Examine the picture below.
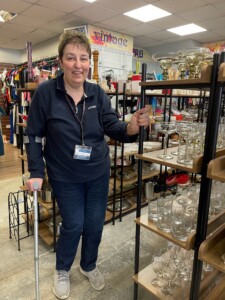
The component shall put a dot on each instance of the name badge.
(82, 152)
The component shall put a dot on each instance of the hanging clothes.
(2, 113)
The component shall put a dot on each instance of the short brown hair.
(75, 38)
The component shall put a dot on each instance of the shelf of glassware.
(188, 244)
(145, 277)
(195, 167)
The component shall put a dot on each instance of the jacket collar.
(88, 87)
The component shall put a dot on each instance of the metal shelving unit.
(209, 81)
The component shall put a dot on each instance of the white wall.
(43, 50)
(10, 56)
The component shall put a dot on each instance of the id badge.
(82, 152)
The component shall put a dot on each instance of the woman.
(73, 116)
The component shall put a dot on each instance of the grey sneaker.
(96, 279)
(61, 287)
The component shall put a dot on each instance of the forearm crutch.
(36, 254)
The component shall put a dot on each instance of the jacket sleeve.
(113, 127)
(35, 132)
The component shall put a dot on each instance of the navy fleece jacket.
(52, 117)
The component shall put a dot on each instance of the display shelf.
(134, 179)
(216, 293)
(203, 81)
(47, 205)
(21, 124)
(216, 169)
(189, 243)
(23, 157)
(194, 168)
(32, 89)
(45, 234)
(213, 248)
(144, 279)
(221, 74)
(150, 225)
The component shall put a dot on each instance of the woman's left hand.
(139, 118)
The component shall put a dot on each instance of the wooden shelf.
(26, 89)
(145, 277)
(194, 168)
(150, 225)
(45, 234)
(21, 124)
(216, 293)
(213, 248)
(189, 243)
(221, 75)
(216, 169)
(47, 205)
(203, 81)
(23, 157)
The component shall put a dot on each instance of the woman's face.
(75, 64)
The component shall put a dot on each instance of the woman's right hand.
(30, 184)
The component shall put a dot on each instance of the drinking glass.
(181, 130)
(186, 159)
(169, 274)
(165, 128)
(164, 212)
(178, 224)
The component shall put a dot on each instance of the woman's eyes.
(82, 59)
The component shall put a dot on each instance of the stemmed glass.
(193, 58)
(157, 266)
(169, 273)
(165, 128)
(166, 60)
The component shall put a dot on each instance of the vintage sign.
(110, 39)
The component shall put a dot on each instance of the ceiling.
(41, 20)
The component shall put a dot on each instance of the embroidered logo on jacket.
(91, 107)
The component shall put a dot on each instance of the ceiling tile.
(121, 22)
(69, 7)
(202, 13)
(97, 14)
(179, 5)
(121, 6)
(44, 13)
(15, 6)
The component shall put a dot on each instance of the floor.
(116, 258)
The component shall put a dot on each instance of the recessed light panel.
(90, 1)
(147, 13)
(186, 29)
(6, 16)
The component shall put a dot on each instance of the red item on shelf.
(179, 117)
(136, 77)
(182, 178)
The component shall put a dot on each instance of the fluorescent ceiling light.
(186, 29)
(90, 1)
(147, 13)
(6, 16)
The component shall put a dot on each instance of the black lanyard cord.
(74, 110)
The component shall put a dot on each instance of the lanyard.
(74, 110)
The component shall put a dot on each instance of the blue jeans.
(82, 207)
